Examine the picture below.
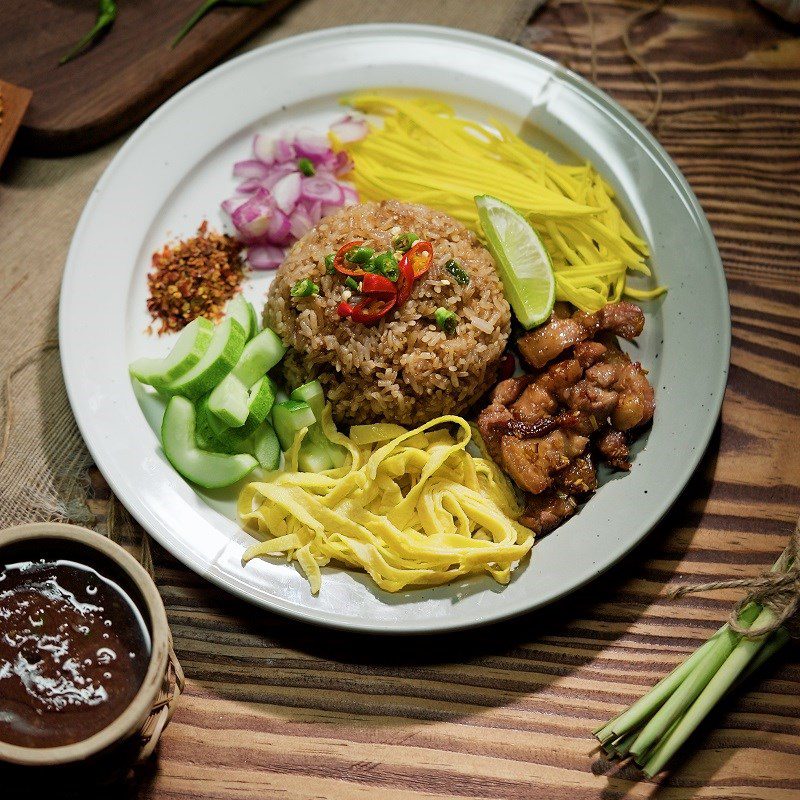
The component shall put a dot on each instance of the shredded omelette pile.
(409, 507)
(424, 153)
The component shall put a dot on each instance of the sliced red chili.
(378, 285)
(344, 267)
(420, 257)
(405, 282)
(344, 309)
(371, 309)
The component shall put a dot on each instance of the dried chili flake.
(194, 278)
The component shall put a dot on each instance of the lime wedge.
(522, 261)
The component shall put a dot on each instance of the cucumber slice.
(254, 326)
(312, 394)
(229, 401)
(219, 359)
(239, 309)
(288, 418)
(260, 355)
(266, 447)
(262, 398)
(223, 438)
(313, 456)
(209, 470)
(188, 350)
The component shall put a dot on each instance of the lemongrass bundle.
(423, 153)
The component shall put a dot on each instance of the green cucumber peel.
(218, 360)
(206, 469)
(267, 447)
(288, 418)
(261, 398)
(260, 355)
(190, 347)
(241, 311)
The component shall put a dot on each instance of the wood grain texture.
(275, 709)
(14, 102)
(129, 72)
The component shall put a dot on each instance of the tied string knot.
(778, 590)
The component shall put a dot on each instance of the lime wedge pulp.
(522, 261)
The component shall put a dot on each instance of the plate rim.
(632, 126)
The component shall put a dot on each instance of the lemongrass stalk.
(774, 643)
(638, 714)
(725, 676)
(692, 685)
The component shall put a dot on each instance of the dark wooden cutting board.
(127, 74)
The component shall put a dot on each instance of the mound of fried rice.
(403, 369)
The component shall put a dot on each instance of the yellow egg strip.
(410, 508)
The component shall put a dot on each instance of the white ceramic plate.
(175, 170)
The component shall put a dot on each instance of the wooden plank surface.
(129, 72)
(275, 709)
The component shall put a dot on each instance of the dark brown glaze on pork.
(582, 395)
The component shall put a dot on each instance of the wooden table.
(275, 709)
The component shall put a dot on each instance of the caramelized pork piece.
(613, 448)
(532, 462)
(636, 402)
(579, 477)
(493, 426)
(580, 389)
(547, 511)
(549, 341)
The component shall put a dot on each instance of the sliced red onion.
(253, 218)
(250, 169)
(286, 192)
(350, 128)
(350, 195)
(264, 256)
(279, 229)
(300, 222)
(311, 144)
(262, 148)
(249, 186)
(314, 211)
(283, 151)
(326, 190)
(230, 205)
(278, 171)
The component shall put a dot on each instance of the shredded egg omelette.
(409, 507)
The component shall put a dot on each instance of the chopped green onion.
(359, 255)
(306, 166)
(304, 288)
(446, 320)
(454, 268)
(404, 241)
(329, 268)
(351, 283)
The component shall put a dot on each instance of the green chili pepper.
(106, 14)
(351, 283)
(386, 264)
(205, 7)
(359, 255)
(454, 268)
(404, 242)
(329, 268)
(306, 166)
(446, 320)
(304, 288)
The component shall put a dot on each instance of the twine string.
(777, 590)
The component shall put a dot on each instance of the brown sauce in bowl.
(74, 651)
